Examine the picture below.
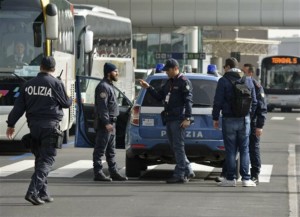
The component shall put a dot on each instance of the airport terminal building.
(200, 32)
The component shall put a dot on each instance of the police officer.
(42, 98)
(257, 123)
(106, 113)
(177, 96)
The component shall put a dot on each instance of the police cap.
(170, 63)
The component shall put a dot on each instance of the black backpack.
(241, 101)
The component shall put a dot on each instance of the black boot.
(34, 199)
(116, 176)
(174, 180)
(101, 177)
(46, 198)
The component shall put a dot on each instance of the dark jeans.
(105, 145)
(236, 138)
(44, 156)
(176, 135)
(254, 151)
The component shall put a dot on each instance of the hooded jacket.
(224, 93)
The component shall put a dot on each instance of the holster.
(54, 139)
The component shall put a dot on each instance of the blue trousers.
(236, 138)
(44, 156)
(176, 135)
(105, 145)
(254, 150)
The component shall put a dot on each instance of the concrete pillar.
(193, 46)
(218, 61)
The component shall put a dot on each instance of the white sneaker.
(248, 183)
(227, 183)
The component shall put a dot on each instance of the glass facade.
(148, 44)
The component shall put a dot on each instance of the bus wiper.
(23, 79)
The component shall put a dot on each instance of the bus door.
(85, 93)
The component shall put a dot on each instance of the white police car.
(147, 143)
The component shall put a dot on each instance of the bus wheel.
(133, 168)
(270, 109)
(286, 109)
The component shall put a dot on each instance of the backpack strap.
(243, 79)
(231, 81)
(256, 84)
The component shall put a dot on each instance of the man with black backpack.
(235, 97)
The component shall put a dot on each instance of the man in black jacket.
(42, 98)
(257, 123)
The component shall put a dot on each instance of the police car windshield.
(203, 93)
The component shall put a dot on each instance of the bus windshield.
(18, 53)
(281, 76)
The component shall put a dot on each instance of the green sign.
(180, 56)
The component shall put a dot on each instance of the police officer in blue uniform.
(257, 123)
(42, 98)
(177, 96)
(106, 113)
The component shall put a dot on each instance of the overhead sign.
(284, 60)
(180, 56)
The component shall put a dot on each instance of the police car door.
(85, 94)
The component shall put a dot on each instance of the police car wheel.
(133, 168)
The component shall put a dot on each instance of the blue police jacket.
(43, 98)
(106, 104)
(224, 93)
(180, 102)
(259, 116)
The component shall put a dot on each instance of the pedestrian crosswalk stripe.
(265, 172)
(205, 170)
(72, 169)
(298, 119)
(277, 118)
(16, 167)
(195, 167)
(200, 167)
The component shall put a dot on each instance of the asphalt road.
(76, 194)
